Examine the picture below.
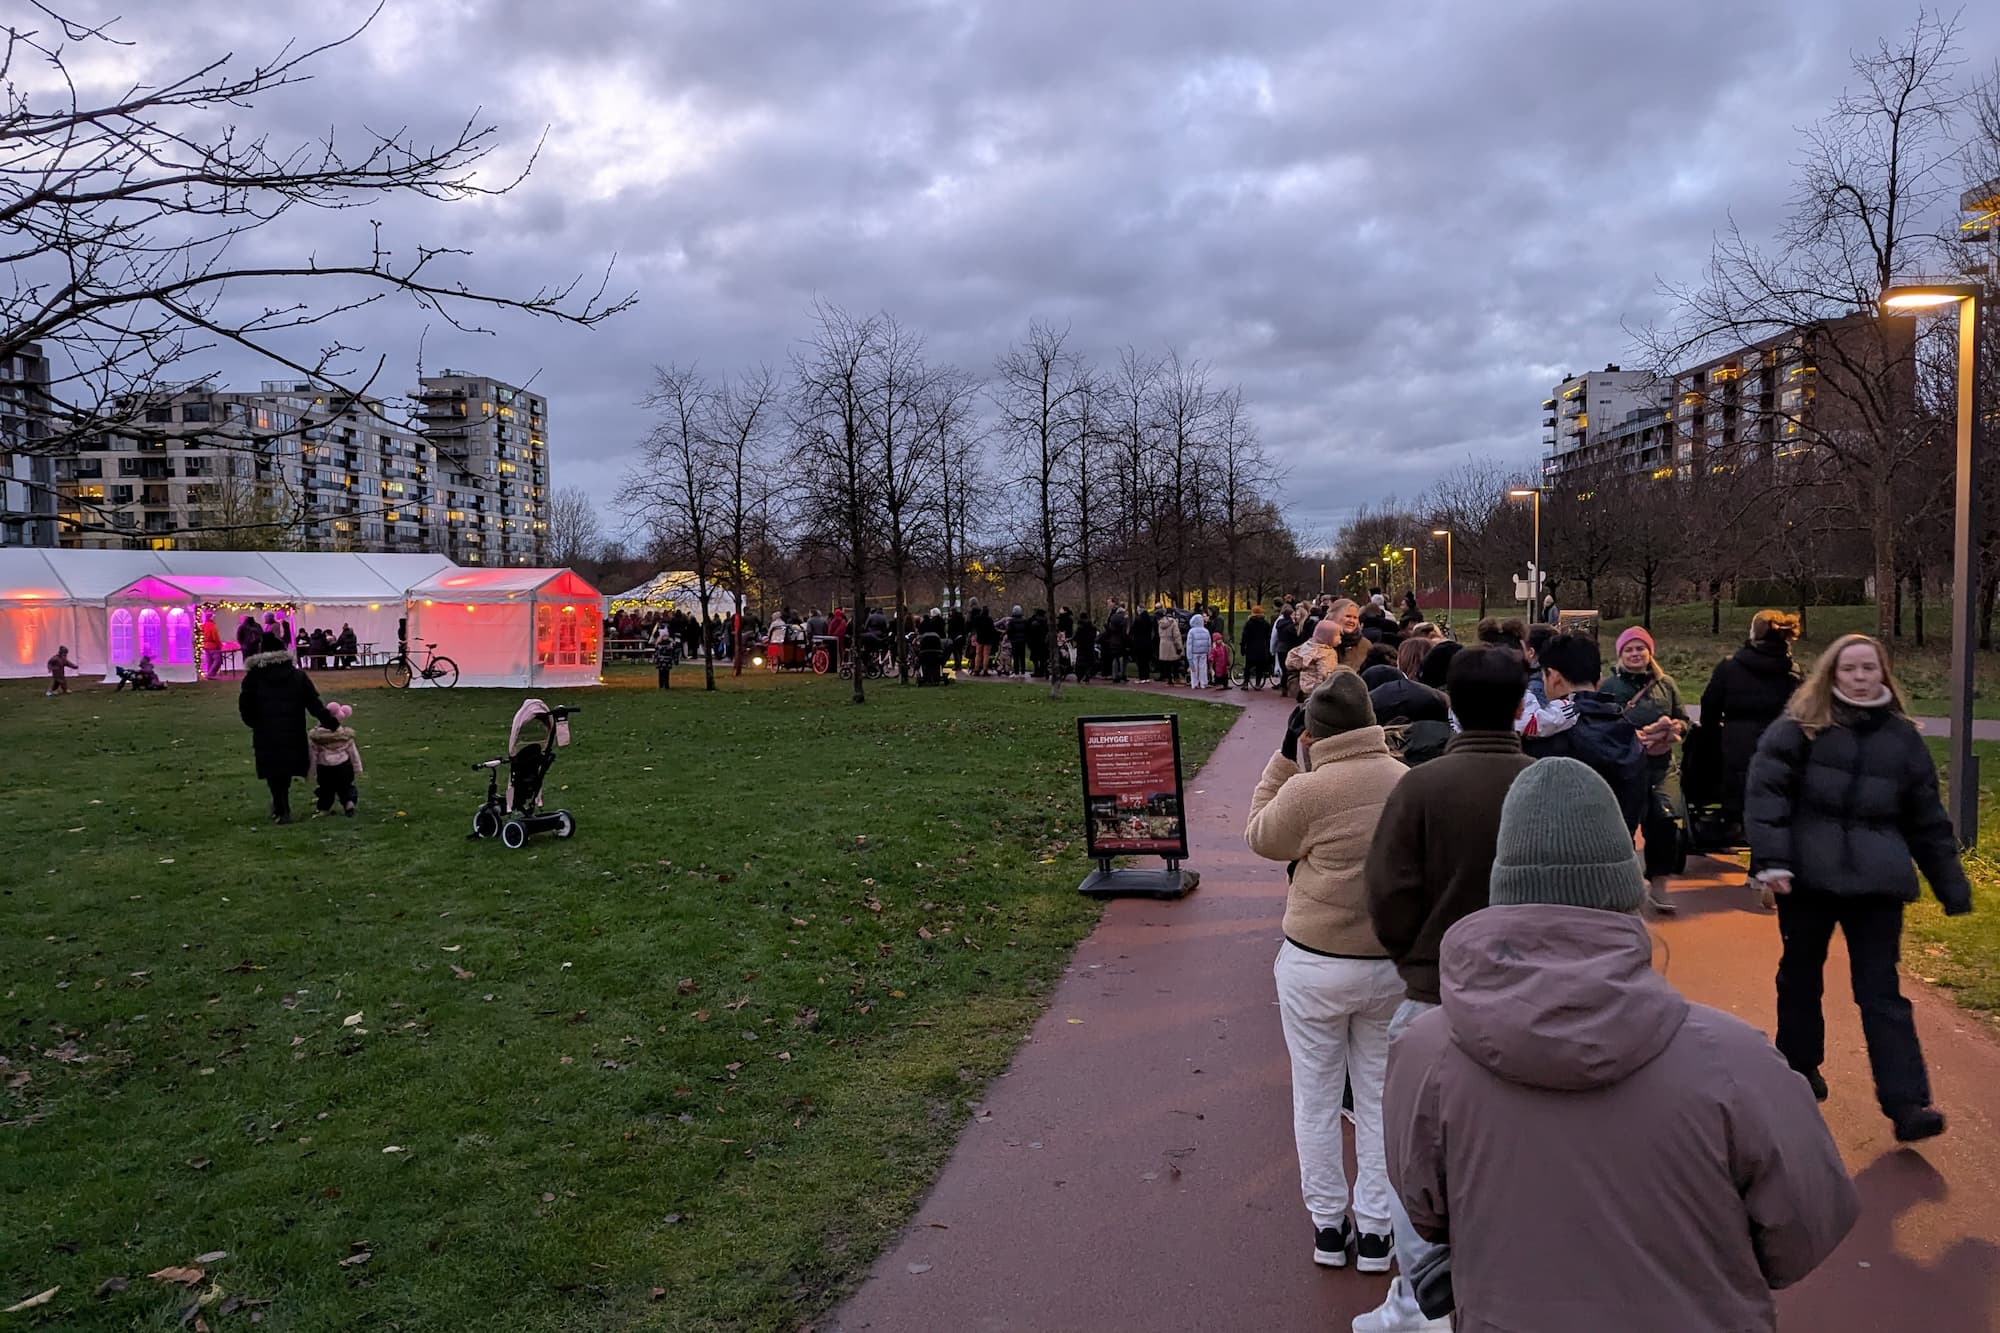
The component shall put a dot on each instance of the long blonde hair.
(1812, 704)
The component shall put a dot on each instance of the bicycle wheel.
(822, 662)
(442, 672)
(396, 672)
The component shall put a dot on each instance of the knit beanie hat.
(1563, 840)
(1326, 634)
(1437, 663)
(1635, 634)
(1340, 704)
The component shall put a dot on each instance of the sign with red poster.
(1132, 797)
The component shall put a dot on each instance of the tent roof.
(198, 588)
(53, 576)
(661, 587)
(500, 584)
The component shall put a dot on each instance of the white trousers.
(1198, 672)
(1336, 1013)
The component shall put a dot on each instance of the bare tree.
(949, 427)
(573, 529)
(837, 487)
(906, 467)
(678, 484)
(1035, 392)
(1183, 407)
(125, 223)
(1243, 474)
(1136, 438)
(1871, 180)
(742, 413)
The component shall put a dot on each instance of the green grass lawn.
(687, 1071)
(1689, 652)
(1962, 954)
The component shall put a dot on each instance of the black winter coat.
(1848, 811)
(1257, 642)
(1747, 693)
(1605, 740)
(1406, 700)
(274, 703)
(1113, 642)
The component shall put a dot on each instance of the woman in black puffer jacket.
(1842, 797)
(275, 702)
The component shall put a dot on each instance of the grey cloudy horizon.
(1394, 227)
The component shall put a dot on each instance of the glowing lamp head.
(1440, 532)
(1927, 295)
(1520, 493)
(1918, 300)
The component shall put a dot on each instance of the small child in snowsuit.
(59, 668)
(336, 762)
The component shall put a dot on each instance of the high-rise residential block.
(492, 468)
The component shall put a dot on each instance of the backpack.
(1417, 742)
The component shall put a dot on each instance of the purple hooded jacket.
(1600, 1152)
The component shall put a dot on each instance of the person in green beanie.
(1316, 808)
(1566, 1109)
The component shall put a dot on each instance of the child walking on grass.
(336, 762)
(59, 668)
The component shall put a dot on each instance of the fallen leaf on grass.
(686, 986)
(198, 1163)
(734, 1005)
(451, 948)
(548, 1198)
(395, 1147)
(923, 932)
(351, 1260)
(42, 1299)
(212, 1257)
(659, 1293)
(20, 1080)
(111, 1286)
(351, 1020)
(187, 1277)
(1076, 1021)
(461, 973)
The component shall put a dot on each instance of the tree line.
(869, 474)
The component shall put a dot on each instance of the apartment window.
(194, 412)
(121, 495)
(128, 467)
(159, 414)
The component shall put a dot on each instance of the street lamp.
(1964, 765)
(1322, 578)
(1413, 571)
(1446, 534)
(1535, 573)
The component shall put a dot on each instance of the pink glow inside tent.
(511, 626)
(159, 616)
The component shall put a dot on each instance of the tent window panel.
(545, 635)
(180, 635)
(121, 637)
(149, 633)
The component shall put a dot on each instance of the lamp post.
(1413, 571)
(1964, 764)
(1322, 578)
(1535, 570)
(1446, 534)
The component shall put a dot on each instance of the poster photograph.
(1132, 786)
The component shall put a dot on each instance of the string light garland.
(208, 609)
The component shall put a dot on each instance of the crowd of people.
(1533, 1105)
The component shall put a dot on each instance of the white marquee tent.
(512, 626)
(673, 590)
(159, 616)
(59, 597)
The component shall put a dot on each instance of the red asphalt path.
(1134, 1169)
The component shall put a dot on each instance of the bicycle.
(1249, 677)
(441, 671)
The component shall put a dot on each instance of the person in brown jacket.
(1599, 1152)
(1317, 808)
(1428, 868)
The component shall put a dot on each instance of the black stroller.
(1709, 827)
(538, 732)
(930, 660)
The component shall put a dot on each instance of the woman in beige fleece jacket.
(1316, 808)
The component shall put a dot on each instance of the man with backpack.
(1428, 868)
(1583, 723)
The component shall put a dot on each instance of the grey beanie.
(1563, 840)
(1340, 704)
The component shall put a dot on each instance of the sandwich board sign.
(1134, 804)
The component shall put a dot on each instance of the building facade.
(290, 466)
(1602, 419)
(27, 473)
(490, 442)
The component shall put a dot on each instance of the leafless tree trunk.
(1035, 392)
(742, 414)
(679, 482)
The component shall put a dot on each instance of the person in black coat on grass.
(1747, 693)
(1256, 646)
(1114, 643)
(1842, 798)
(1085, 644)
(1145, 644)
(275, 701)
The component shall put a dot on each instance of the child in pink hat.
(336, 762)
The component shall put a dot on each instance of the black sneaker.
(1330, 1245)
(1916, 1123)
(1373, 1253)
(1815, 1082)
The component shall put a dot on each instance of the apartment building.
(1603, 418)
(27, 473)
(490, 441)
(320, 473)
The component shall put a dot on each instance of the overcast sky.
(1394, 225)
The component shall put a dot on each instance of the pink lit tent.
(511, 626)
(159, 616)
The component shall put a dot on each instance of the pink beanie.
(340, 711)
(1636, 634)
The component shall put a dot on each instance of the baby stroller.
(538, 732)
(1709, 827)
(930, 660)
